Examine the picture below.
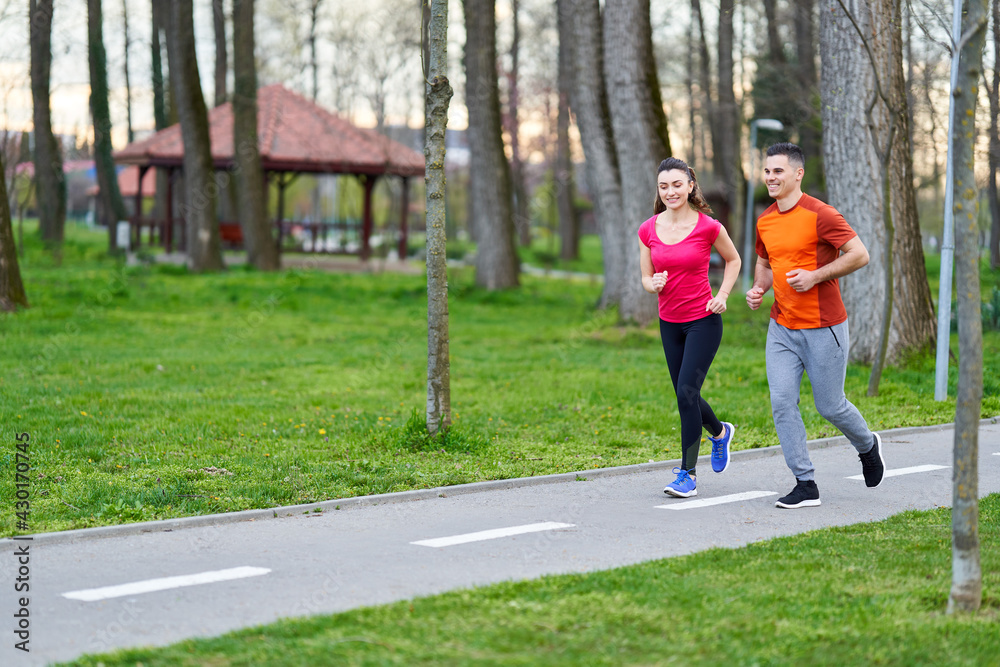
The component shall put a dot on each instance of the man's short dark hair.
(794, 154)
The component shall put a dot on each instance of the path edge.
(180, 523)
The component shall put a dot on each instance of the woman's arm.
(651, 282)
(724, 246)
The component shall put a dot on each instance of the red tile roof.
(294, 134)
(128, 183)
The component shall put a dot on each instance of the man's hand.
(801, 280)
(755, 295)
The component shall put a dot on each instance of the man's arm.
(763, 279)
(853, 255)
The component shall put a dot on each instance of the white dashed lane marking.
(721, 500)
(165, 583)
(492, 534)
(905, 471)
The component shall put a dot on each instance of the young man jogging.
(803, 247)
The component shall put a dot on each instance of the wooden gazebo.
(295, 136)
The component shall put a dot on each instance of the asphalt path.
(100, 589)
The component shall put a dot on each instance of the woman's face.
(674, 187)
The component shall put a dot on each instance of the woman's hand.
(659, 281)
(717, 304)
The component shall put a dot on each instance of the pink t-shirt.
(687, 292)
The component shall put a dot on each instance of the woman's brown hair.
(696, 199)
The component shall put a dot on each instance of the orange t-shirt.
(807, 236)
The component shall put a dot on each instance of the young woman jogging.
(675, 247)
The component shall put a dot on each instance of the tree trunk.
(775, 50)
(438, 94)
(805, 50)
(159, 103)
(994, 154)
(569, 223)
(128, 85)
(705, 75)
(111, 207)
(522, 217)
(966, 575)
(853, 175)
(589, 101)
(262, 250)
(489, 172)
(48, 156)
(11, 288)
(221, 66)
(640, 148)
(200, 189)
(729, 125)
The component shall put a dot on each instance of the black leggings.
(690, 348)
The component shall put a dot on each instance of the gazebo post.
(403, 214)
(366, 217)
(281, 207)
(138, 201)
(169, 211)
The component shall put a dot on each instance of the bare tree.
(221, 58)
(200, 190)
(51, 181)
(630, 78)
(262, 251)
(862, 86)
(111, 207)
(966, 573)
(569, 224)
(313, 59)
(160, 113)
(589, 100)
(489, 177)
(12, 293)
(438, 94)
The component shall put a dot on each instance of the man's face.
(781, 178)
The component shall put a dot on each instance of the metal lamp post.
(767, 124)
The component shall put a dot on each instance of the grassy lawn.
(868, 594)
(150, 393)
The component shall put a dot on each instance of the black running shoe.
(872, 464)
(805, 494)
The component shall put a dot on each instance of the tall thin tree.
(204, 247)
(522, 218)
(112, 206)
(630, 77)
(262, 251)
(994, 154)
(313, 38)
(569, 224)
(437, 93)
(966, 572)
(160, 116)
(12, 293)
(489, 172)
(589, 100)
(221, 56)
(128, 81)
(51, 182)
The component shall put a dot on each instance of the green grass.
(150, 393)
(868, 594)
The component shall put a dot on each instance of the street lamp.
(767, 124)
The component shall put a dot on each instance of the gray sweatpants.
(822, 353)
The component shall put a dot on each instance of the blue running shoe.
(720, 447)
(684, 486)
